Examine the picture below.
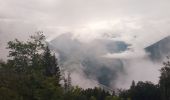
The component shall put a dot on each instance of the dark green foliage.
(77, 93)
(145, 91)
(22, 76)
(25, 56)
(50, 65)
(141, 91)
(165, 81)
(98, 93)
(124, 94)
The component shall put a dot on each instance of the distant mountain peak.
(160, 49)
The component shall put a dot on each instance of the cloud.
(139, 70)
(129, 18)
(79, 79)
(129, 54)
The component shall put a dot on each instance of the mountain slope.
(160, 49)
(75, 55)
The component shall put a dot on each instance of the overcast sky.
(127, 17)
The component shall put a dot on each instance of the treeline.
(32, 73)
(148, 90)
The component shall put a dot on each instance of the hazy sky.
(126, 17)
(137, 22)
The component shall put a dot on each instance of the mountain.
(160, 49)
(83, 57)
(75, 55)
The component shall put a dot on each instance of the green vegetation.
(32, 73)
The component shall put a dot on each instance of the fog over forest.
(110, 42)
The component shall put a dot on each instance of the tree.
(133, 85)
(144, 91)
(112, 98)
(125, 94)
(50, 65)
(92, 98)
(164, 81)
(98, 93)
(25, 55)
(132, 90)
(22, 76)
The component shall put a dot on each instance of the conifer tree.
(165, 80)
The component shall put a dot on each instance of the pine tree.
(55, 69)
(69, 81)
(47, 62)
(165, 80)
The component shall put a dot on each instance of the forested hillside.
(32, 72)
